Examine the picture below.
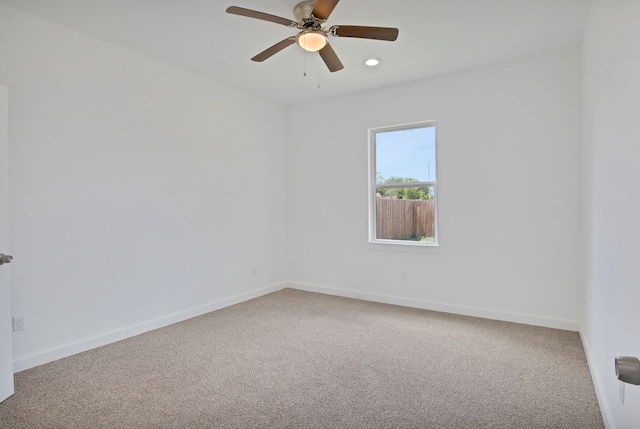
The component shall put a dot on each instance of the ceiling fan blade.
(323, 8)
(377, 33)
(274, 49)
(330, 58)
(235, 10)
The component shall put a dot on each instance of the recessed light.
(372, 62)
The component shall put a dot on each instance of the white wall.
(138, 191)
(510, 213)
(612, 169)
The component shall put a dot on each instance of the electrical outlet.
(18, 324)
(403, 277)
(254, 272)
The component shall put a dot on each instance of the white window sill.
(402, 246)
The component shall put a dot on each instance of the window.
(402, 184)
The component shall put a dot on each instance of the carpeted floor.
(296, 359)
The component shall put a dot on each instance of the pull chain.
(304, 56)
(304, 69)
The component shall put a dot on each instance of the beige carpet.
(295, 359)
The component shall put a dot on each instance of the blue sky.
(407, 153)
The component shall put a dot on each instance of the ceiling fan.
(311, 18)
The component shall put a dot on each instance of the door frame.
(6, 347)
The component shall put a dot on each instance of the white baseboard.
(41, 358)
(324, 290)
(567, 325)
(597, 384)
(51, 355)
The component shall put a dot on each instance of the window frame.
(373, 186)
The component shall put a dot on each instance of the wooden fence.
(404, 219)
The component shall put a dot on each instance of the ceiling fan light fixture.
(311, 40)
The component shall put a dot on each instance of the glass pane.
(406, 214)
(405, 156)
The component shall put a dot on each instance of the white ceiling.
(436, 37)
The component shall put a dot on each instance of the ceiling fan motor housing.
(302, 12)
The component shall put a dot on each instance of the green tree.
(402, 193)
